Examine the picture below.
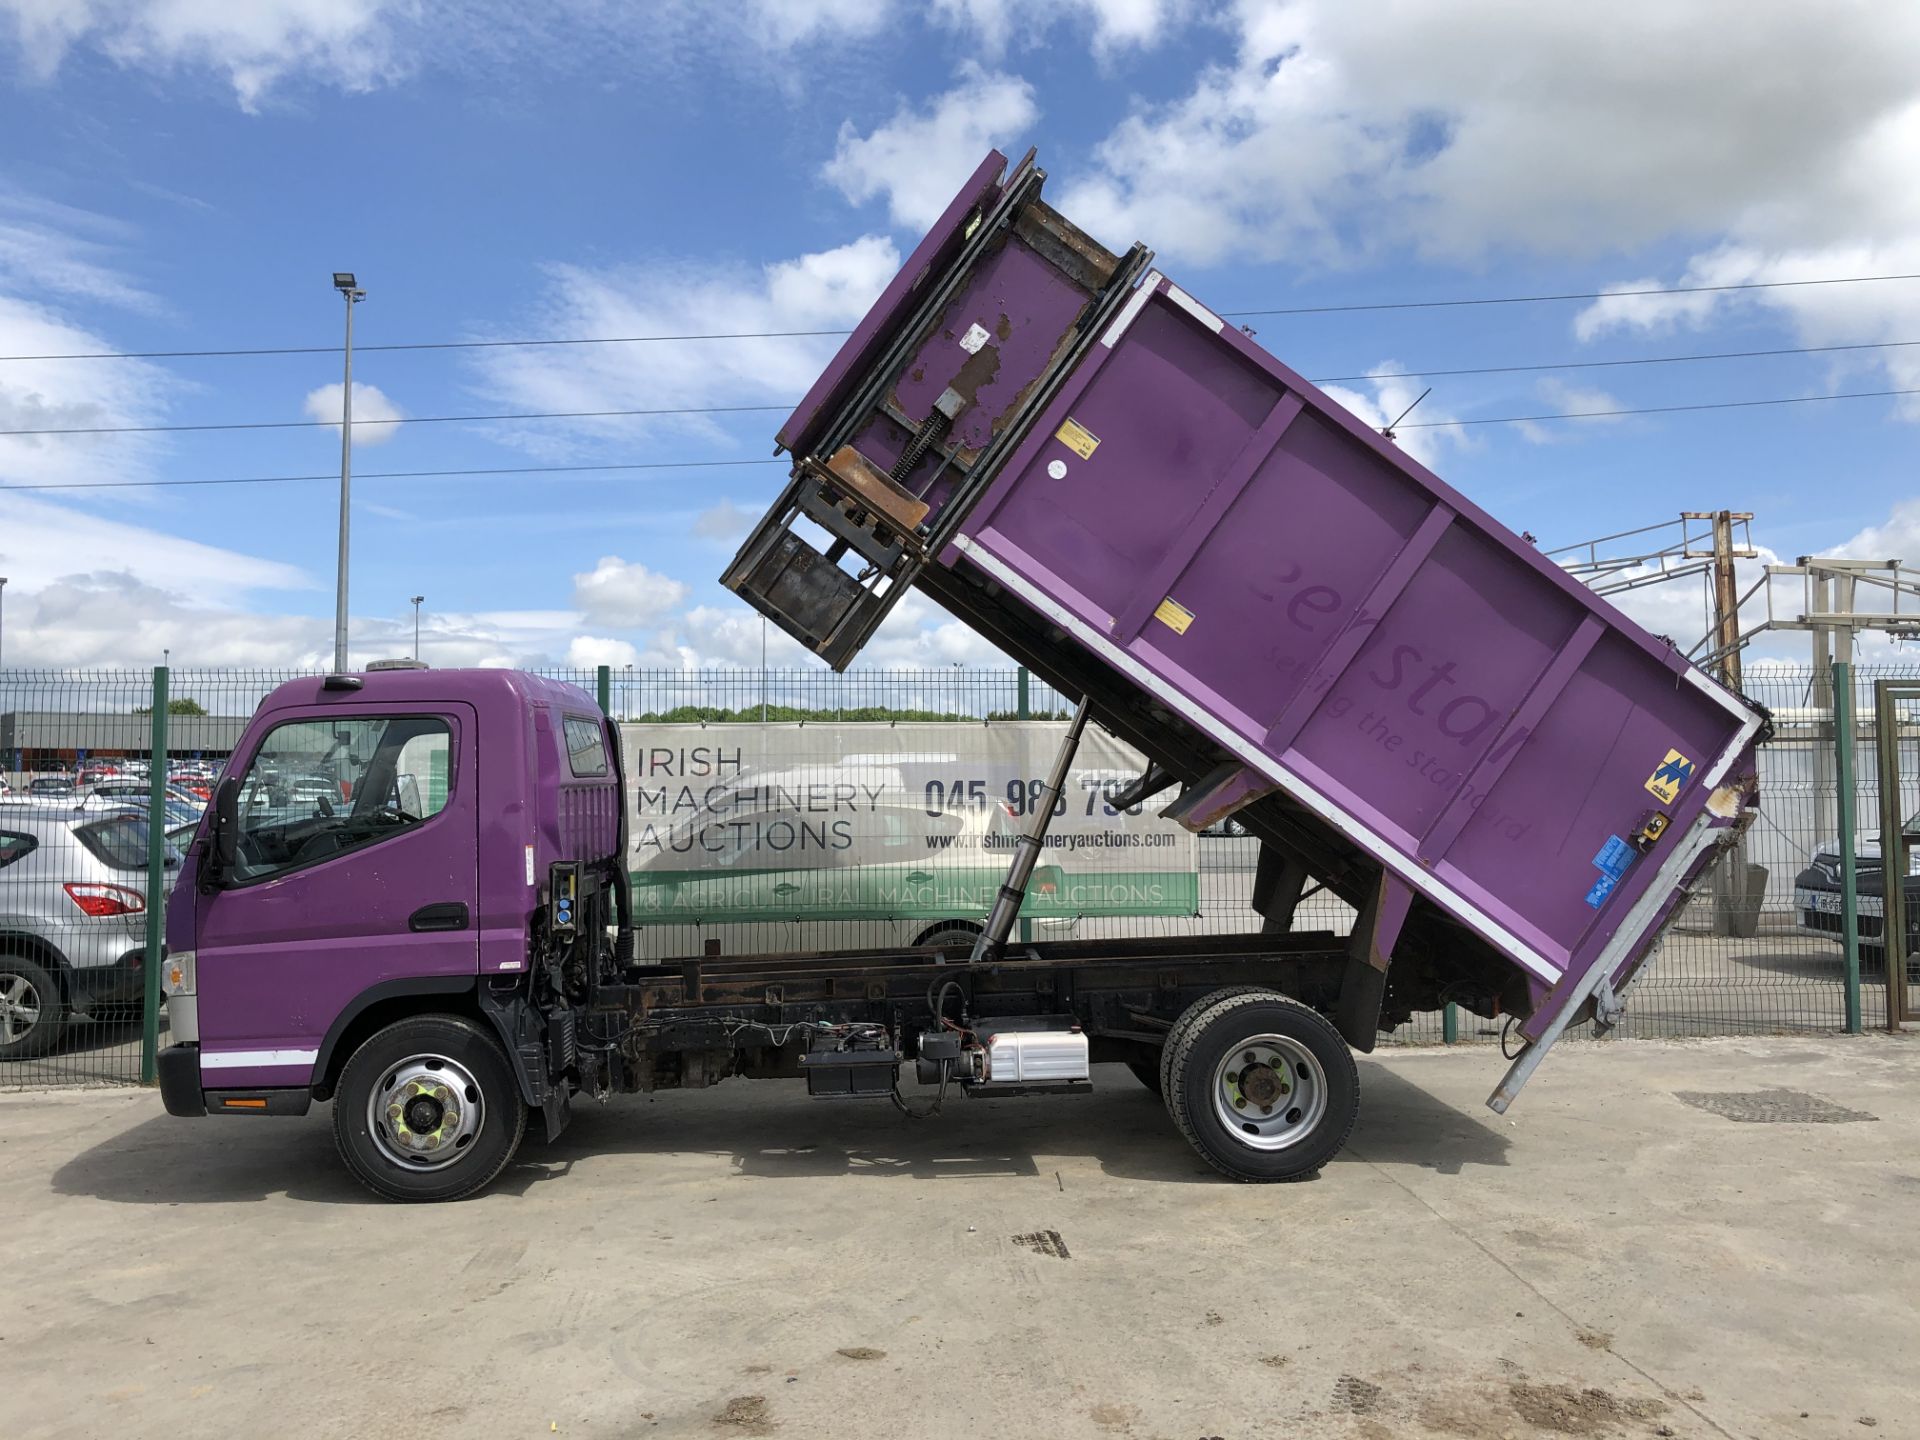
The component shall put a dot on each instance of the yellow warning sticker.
(1077, 438)
(1172, 614)
(1671, 778)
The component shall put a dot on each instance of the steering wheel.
(318, 846)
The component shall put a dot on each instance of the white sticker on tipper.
(1057, 469)
(529, 864)
(973, 339)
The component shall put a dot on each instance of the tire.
(1147, 1072)
(1296, 1104)
(458, 1076)
(1186, 1018)
(32, 1009)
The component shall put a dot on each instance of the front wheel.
(427, 1109)
(1264, 1088)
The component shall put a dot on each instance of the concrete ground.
(1613, 1259)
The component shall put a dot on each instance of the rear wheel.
(427, 1109)
(31, 1008)
(1179, 1026)
(1264, 1088)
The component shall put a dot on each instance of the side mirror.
(226, 826)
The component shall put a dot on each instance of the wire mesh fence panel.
(1755, 951)
(76, 760)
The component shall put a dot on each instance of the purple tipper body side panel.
(1359, 634)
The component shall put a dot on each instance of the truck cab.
(361, 865)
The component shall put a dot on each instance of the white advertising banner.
(868, 821)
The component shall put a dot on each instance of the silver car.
(72, 920)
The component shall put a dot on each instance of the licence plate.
(1826, 902)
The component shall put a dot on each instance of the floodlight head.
(343, 280)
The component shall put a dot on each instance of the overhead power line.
(815, 334)
(398, 420)
(385, 475)
(1569, 295)
(715, 464)
(779, 408)
(1655, 409)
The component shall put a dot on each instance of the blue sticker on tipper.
(1603, 887)
(1614, 857)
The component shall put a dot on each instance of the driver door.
(357, 865)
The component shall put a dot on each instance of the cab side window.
(586, 746)
(319, 788)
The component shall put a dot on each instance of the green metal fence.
(88, 756)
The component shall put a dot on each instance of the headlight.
(176, 973)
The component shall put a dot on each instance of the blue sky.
(187, 176)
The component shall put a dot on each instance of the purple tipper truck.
(1512, 784)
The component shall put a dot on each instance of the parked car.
(136, 792)
(72, 920)
(50, 785)
(1817, 892)
(92, 774)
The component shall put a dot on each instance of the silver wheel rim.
(426, 1112)
(19, 1008)
(1270, 1092)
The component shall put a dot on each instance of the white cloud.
(253, 44)
(1559, 397)
(920, 157)
(786, 24)
(725, 521)
(1116, 24)
(625, 595)
(1595, 129)
(53, 395)
(585, 652)
(826, 291)
(1896, 538)
(1393, 392)
(370, 407)
(1853, 314)
(48, 249)
(41, 541)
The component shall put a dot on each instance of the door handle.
(447, 915)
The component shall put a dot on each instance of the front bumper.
(179, 1067)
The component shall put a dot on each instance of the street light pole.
(416, 625)
(3, 617)
(344, 282)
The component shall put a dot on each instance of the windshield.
(316, 788)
